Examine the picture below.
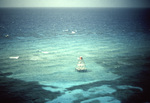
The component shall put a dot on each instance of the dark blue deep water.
(42, 45)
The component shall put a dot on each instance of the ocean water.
(43, 44)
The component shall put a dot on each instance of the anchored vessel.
(81, 65)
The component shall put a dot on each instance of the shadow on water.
(18, 91)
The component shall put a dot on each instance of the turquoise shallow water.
(115, 50)
(56, 58)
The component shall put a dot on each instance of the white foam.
(73, 32)
(16, 57)
(45, 52)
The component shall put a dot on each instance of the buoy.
(81, 65)
(81, 58)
